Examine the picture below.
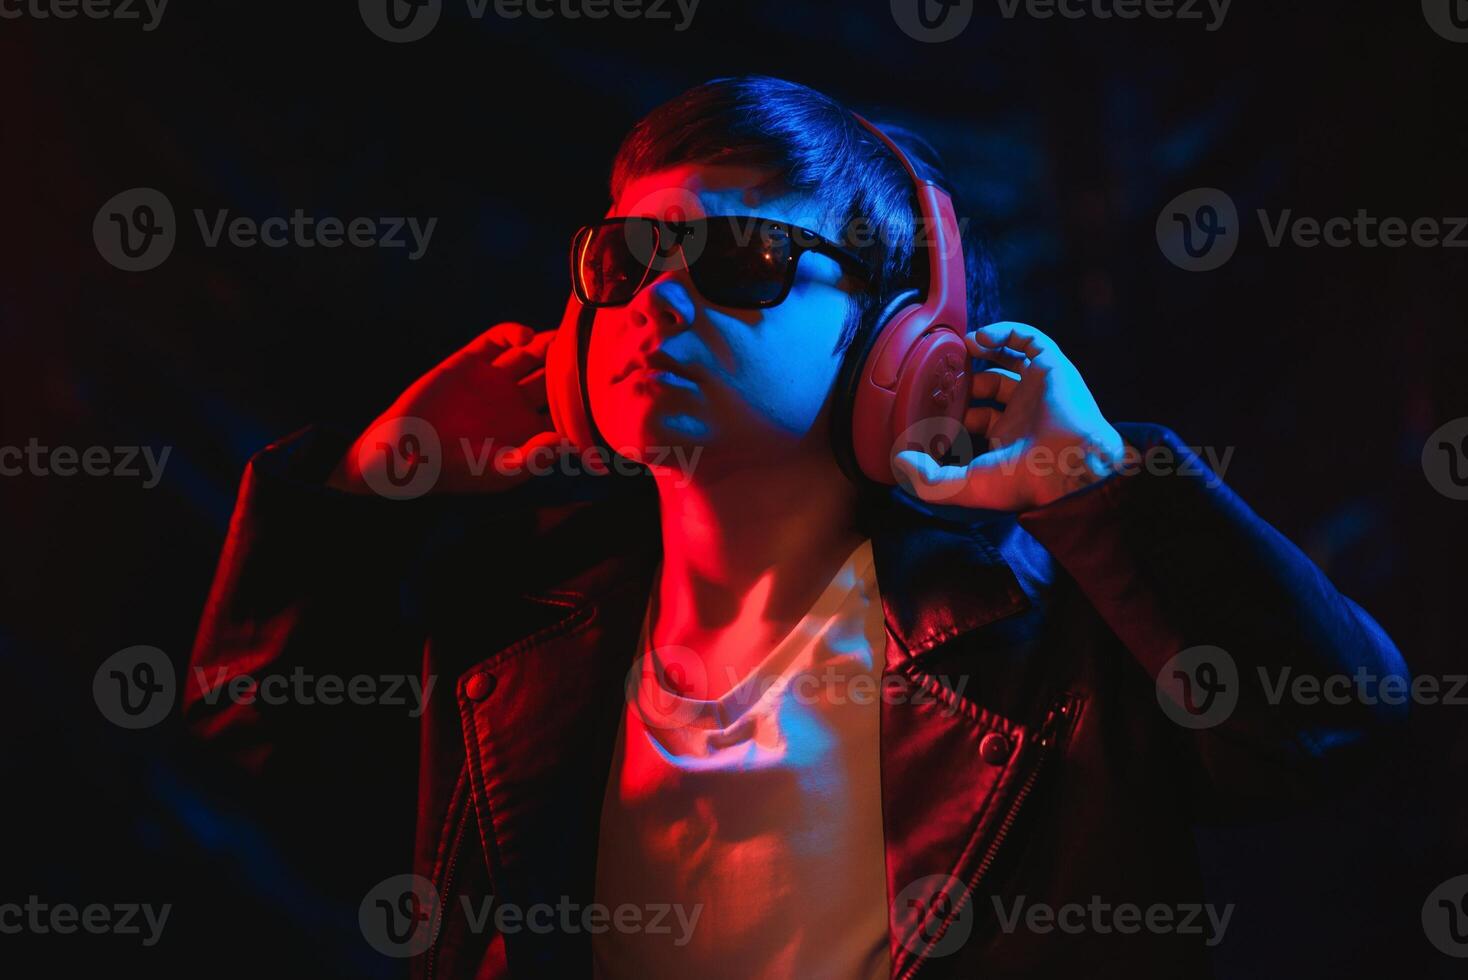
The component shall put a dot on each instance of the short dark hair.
(818, 148)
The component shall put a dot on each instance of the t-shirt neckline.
(742, 699)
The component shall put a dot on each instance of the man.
(752, 714)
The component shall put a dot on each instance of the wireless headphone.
(903, 383)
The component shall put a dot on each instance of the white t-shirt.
(747, 830)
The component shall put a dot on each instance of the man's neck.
(745, 555)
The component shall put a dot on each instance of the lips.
(655, 364)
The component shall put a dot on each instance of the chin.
(645, 432)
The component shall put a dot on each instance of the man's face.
(749, 386)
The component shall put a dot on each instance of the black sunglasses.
(737, 261)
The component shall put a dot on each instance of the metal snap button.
(479, 685)
(994, 749)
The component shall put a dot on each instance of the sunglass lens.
(742, 266)
(611, 260)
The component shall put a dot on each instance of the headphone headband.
(947, 274)
(907, 381)
(887, 140)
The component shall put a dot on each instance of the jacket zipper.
(448, 885)
(1061, 707)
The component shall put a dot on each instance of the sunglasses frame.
(802, 240)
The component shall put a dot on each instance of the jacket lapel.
(949, 766)
(938, 581)
(540, 719)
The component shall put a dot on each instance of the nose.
(664, 306)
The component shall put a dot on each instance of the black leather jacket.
(1028, 758)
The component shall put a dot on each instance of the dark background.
(1325, 369)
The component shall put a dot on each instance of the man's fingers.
(980, 484)
(515, 348)
(936, 484)
(928, 479)
(1005, 357)
(500, 337)
(519, 361)
(978, 420)
(532, 390)
(511, 333)
(994, 384)
(1019, 337)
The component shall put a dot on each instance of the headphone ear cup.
(564, 385)
(844, 438)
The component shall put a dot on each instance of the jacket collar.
(941, 574)
(941, 571)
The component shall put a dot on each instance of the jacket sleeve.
(1175, 563)
(310, 583)
(315, 582)
(317, 590)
